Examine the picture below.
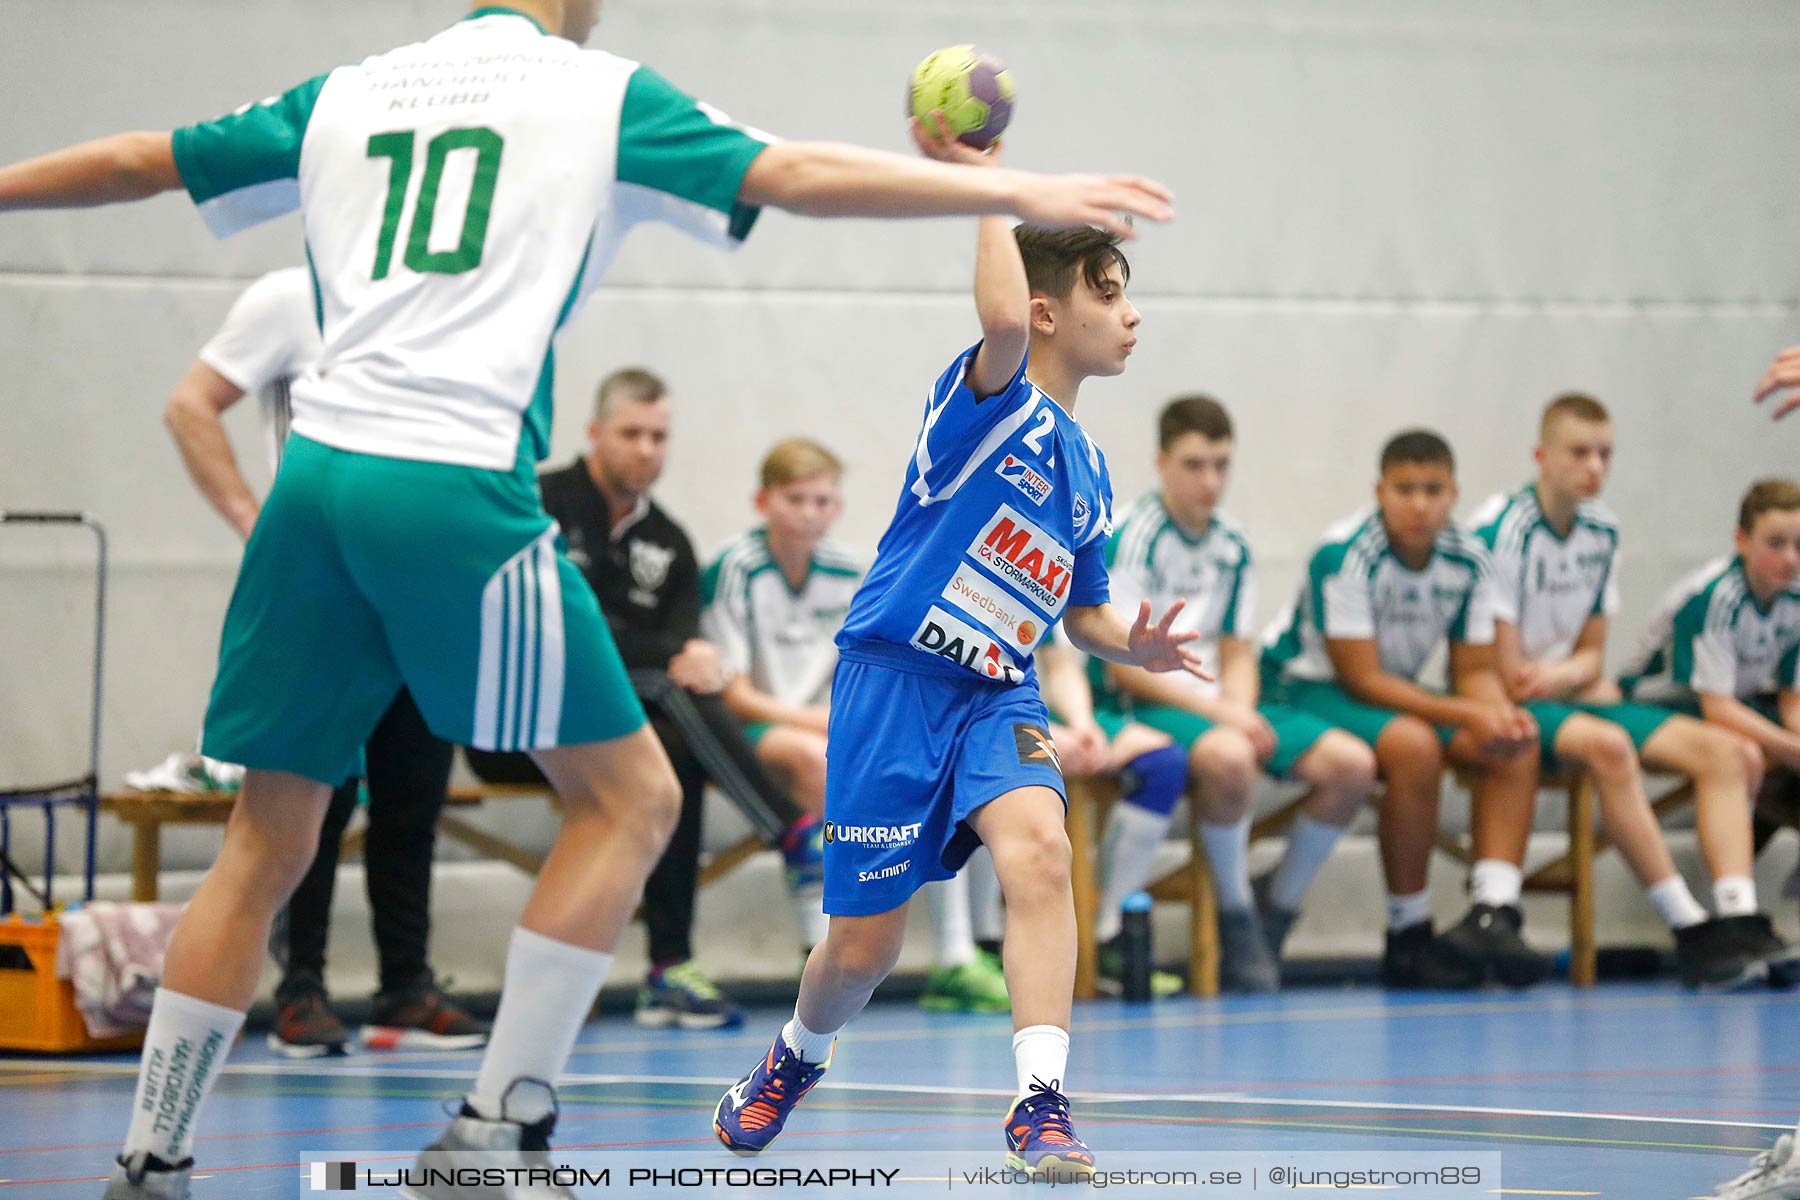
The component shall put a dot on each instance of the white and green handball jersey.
(1356, 588)
(269, 338)
(1152, 558)
(783, 638)
(460, 198)
(1708, 634)
(1549, 586)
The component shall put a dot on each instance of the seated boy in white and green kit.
(1173, 546)
(1555, 550)
(775, 599)
(1385, 590)
(1724, 644)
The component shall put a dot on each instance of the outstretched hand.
(1159, 648)
(1783, 374)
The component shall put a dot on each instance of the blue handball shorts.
(910, 757)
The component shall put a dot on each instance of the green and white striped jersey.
(782, 638)
(1549, 586)
(1708, 634)
(460, 198)
(1356, 588)
(1152, 558)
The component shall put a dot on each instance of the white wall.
(1391, 212)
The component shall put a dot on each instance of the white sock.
(1041, 1052)
(1409, 909)
(950, 922)
(545, 998)
(1127, 856)
(184, 1048)
(1309, 845)
(810, 1046)
(1675, 904)
(1228, 852)
(1734, 895)
(1496, 882)
(984, 897)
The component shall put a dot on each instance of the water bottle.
(1134, 946)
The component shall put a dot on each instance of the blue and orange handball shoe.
(1040, 1138)
(753, 1111)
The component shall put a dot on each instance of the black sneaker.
(422, 1018)
(306, 1027)
(1276, 921)
(1755, 933)
(1713, 958)
(1416, 959)
(1488, 939)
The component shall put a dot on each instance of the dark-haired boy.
(1175, 544)
(1724, 644)
(1555, 550)
(939, 740)
(1382, 593)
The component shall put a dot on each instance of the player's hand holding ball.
(961, 100)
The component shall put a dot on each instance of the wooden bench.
(148, 812)
(1570, 874)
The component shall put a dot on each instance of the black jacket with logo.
(647, 579)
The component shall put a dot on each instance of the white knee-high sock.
(1309, 845)
(984, 897)
(1228, 852)
(1127, 856)
(548, 990)
(184, 1047)
(950, 922)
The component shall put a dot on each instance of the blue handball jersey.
(1000, 527)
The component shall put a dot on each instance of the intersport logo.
(1030, 561)
(1021, 475)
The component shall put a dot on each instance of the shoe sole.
(295, 1050)
(1783, 972)
(1050, 1164)
(394, 1037)
(736, 1148)
(1754, 975)
(949, 1004)
(652, 1018)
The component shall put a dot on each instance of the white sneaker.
(184, 772)
(1773, 1175)
(452, 1168)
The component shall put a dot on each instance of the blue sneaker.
(803, 850)
(1039, 1137)
(682, 995)
(753, 1111)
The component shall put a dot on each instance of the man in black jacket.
(642, 568)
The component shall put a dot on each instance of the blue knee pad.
(1154, 781)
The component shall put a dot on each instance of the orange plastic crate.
(37, 1010)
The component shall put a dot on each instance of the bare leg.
(1023, 829)
(1413, 765)
(1604, 751)
(216, 952)
(844, 970)
(1726, 770)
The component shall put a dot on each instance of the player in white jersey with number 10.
(459, 198)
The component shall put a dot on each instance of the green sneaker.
(978, 986)
(1112, 973)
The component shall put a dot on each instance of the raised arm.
(829, 179)
(109, 170)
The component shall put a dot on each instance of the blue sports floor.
(1632, 1092)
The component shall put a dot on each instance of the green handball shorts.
(1336, 707)
(1296, 732)
(366, 572)
(1640, 721)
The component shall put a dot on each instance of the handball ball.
(974, 89)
